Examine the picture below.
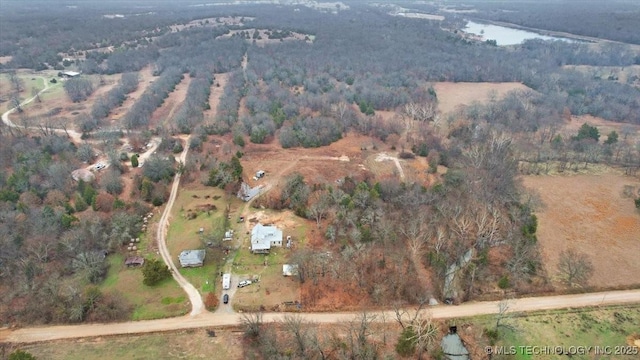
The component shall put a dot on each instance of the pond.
(506, 36)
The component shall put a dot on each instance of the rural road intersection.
(206, 319)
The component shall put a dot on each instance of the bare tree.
(415, 232)
(320, 204)
(503, 309)
(252, 323)
(294, 324)
(574, 268)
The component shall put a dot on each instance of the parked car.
(244, 283)
(225, 298)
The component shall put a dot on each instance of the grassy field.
(613, 326)
(163, 300)
(29, 83)
(190, 344)
(196, 208)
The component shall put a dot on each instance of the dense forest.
(55, 233)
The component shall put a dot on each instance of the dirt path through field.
(47, 333)
(384, 156)
(75, 136)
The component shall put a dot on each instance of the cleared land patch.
(163, 114)
(623, 74)
(187, 344)
(590, 214)
(217, 89)
(146, 78)
(630, 132)
(452, 95)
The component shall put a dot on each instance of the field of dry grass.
(453, 95)
(162, 115)
(146, 78)
(187, 344)
(590, 213)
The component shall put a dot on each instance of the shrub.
(211, 301)
(157, 201)
(134, 160)
(406, 345)
(20, 354)
(504, 283)
(492, 335)
(154, 271)
(238, 140)
(638, 203)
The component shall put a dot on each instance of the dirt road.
(383, 156)
(36, 334)
(197, 306)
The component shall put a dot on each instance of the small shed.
(289, 269)
(192, 258)
(453, 347)
(69, 74)
(134, 261)
(228, 235)
(247, 193)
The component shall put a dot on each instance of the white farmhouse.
(264, 237)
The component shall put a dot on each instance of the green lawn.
(195, 209)
(610, 326)
(163, 300)
(188, 344)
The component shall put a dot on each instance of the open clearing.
(217, 89)
(452, 95)
(185, 344)
(163, 300)
(146, 78)
(162, 115)
(199, 207)
(630, 131)
(624, 74)
(611, 326)
(590, 214)
(354, 155)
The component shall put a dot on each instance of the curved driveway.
(197, 306)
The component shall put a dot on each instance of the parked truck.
(226, 281)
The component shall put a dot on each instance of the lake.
(506, 36)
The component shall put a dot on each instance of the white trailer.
(226, 281)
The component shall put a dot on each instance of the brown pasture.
(590, 214)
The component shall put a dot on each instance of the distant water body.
(506, 36)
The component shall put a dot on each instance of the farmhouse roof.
(191, 258)
(70, 73)
(262, 237)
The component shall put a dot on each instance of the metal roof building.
(264, 237)
(192, 258)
